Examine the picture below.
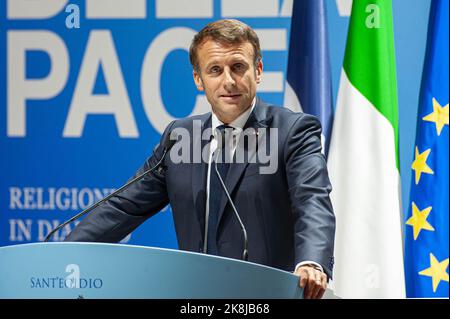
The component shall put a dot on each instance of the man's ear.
(198, 81)
(259, 71)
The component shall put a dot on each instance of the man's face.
(228, 77)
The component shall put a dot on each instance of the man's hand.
(312, 280)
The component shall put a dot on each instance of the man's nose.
(228, 81)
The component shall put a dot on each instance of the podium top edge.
(127, 246)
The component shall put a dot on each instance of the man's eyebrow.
(212, 63)
(233, 60)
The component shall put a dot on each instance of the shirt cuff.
(309, 263)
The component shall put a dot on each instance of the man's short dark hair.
(228, 32)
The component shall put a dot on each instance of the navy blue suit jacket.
(288, 215)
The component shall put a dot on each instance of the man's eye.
(239, 66)
(215, 69)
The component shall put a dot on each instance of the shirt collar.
(238, 123)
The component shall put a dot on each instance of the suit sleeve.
(121, 214)
(309, 189)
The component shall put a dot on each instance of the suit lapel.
(199, 174)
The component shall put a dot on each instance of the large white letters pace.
(100, 51)
(18, 87)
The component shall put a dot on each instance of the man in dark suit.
(284, 205)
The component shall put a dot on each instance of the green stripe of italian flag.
(364, 162)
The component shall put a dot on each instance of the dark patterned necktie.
(215, 187)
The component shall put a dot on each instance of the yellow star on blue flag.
(437, 271)
(439, 116)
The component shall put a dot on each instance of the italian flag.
(364, 161)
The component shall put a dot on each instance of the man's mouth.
(230, 96)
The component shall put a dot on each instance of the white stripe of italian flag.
(363, 161)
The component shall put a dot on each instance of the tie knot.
(223, 133)
(224, 127)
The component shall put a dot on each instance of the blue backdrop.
(81, 108)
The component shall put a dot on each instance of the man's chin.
(227, 106)
(229, 111)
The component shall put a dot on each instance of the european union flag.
(426, 237)
(308, 87)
